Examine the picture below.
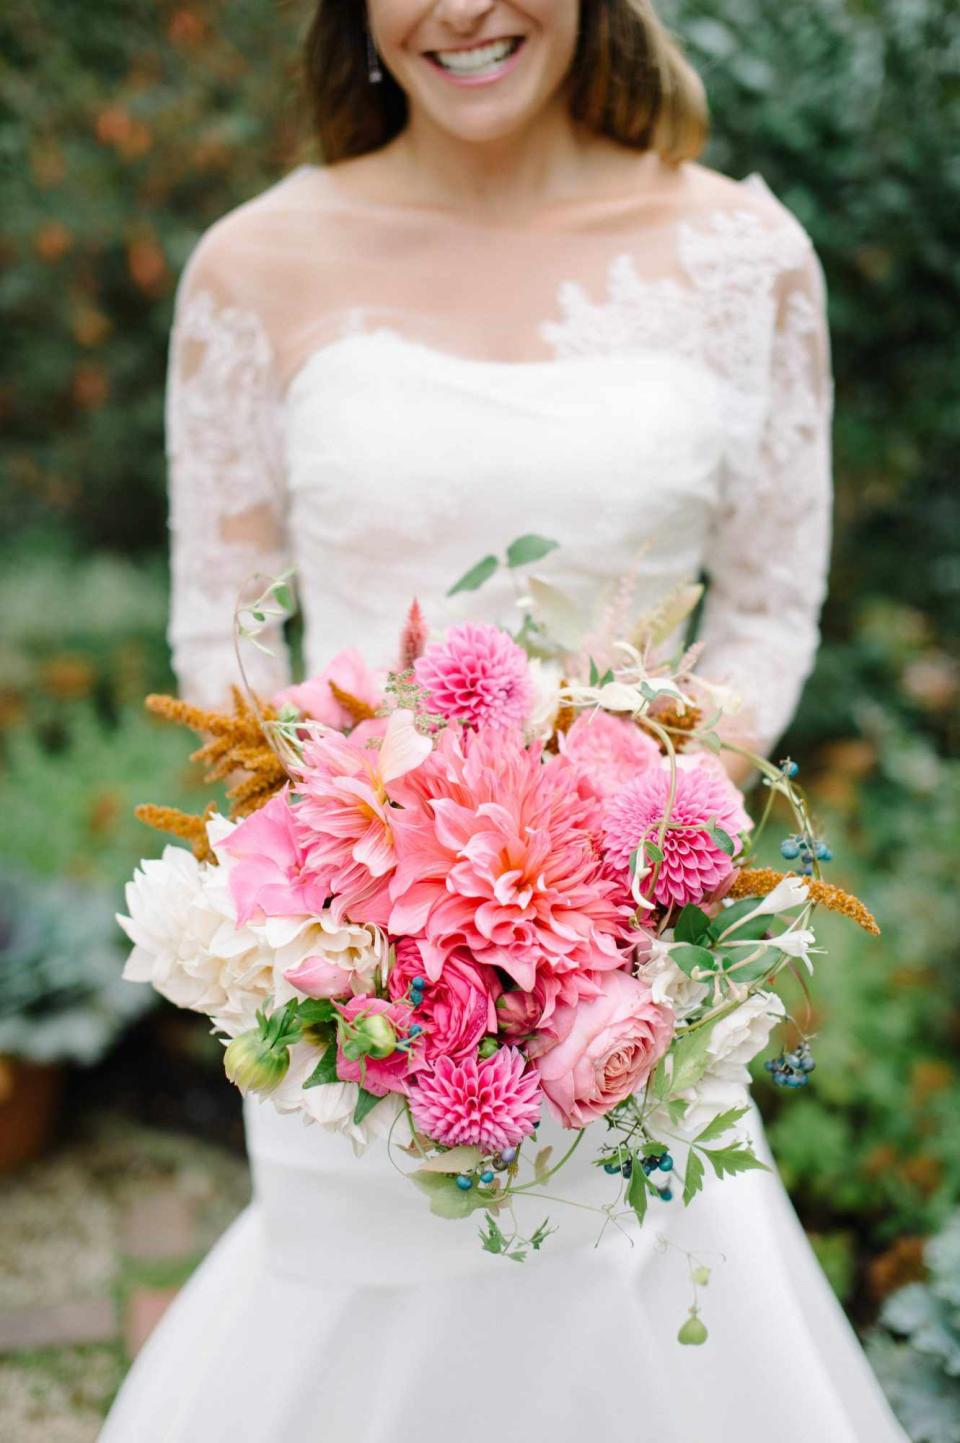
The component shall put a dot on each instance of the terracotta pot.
(29, 1104)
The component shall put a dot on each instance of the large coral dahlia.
(496, 852)
(693, 863)
(477, 675)
(490, 1104)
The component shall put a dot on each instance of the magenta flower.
(609, 749)
(457, 1009)
(496, 852)
(490, 1104)
(477, 675)
(271, 877)
(694, 865)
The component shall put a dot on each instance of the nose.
(463, 16)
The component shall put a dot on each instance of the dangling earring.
(373, 61)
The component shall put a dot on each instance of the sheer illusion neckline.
(561, 214)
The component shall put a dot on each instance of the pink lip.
(472, 80)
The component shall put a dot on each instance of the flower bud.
(488, 1046)
(378, 1035)
(693, 1331)
(255, 1065)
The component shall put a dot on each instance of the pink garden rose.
(457, 1009)
(386, 1074)
(316, 700)
(609, 749)
(599, 1052)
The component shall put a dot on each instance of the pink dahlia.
(316, 698)
(496, 853)
(693, 864)
(609, 749)
(478, 675)
(457, 1009)
(490, 1104)
(271, 877)
(345, 817)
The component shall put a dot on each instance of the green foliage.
(62, 997)
(916, 1350)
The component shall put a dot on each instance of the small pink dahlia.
(491, 1104)
(693, 864)
(477, 675)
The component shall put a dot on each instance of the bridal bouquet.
(509, 875)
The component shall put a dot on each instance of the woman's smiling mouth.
(478, 62)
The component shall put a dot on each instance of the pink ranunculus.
(319, 977)
(599, 1052)
(385, 1074)
(271, 876)
(609, 749)
(496, 851)
(490, 1103)
(693, 865)
(314, 697)
(478, 675)
(458, 1008)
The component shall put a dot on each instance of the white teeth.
(482, 57)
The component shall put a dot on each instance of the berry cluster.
(792, 1069)
(805, 849)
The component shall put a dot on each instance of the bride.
(512, 300)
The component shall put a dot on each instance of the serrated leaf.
(637, 1195)
(692, 925)
(517, 1256)
(737, 1158)
(458, 1159)
(366, 1102)
(529, 548)
(492, 1240)
(474, 578)
(721, 1123)
(325, 1070)
(692, 1177)
(687, 957)
(690, 1058)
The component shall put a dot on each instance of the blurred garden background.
(125, 129)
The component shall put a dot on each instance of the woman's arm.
(225, 476)
(768, 555)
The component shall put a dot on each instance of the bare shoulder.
(231, 250)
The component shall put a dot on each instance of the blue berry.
(419, 983)
(627, 1168)
(486, 1176)
(611, 1167)
(415, 1030)
(507, 1154)
(789, 849)
(666, 1163)
(649, 1164)
(789, 767)
(666, 1195)
(464, 1183)
(824, 853)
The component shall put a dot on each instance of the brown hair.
(628, 80)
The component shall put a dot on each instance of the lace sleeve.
(225, 477)
(768, 555)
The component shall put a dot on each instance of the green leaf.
(737, 1158)
(325, 1070)
(692, 1178)
(458, 1159)
(721, 839)
(316, 1009)
(687, 957)
(474, 578)
(492, 1240)
(446, 1199)
(541, 1163)
(748, 972)
(721, 1124)
(594, 672)
(366, 1102)
(691, 1058)
(538, 1238)
(637, 1195)
(653, 851)
(692, 925)
(284, 596)
(529, 548)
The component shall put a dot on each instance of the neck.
(549, 159)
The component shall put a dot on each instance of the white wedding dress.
(382, 395)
